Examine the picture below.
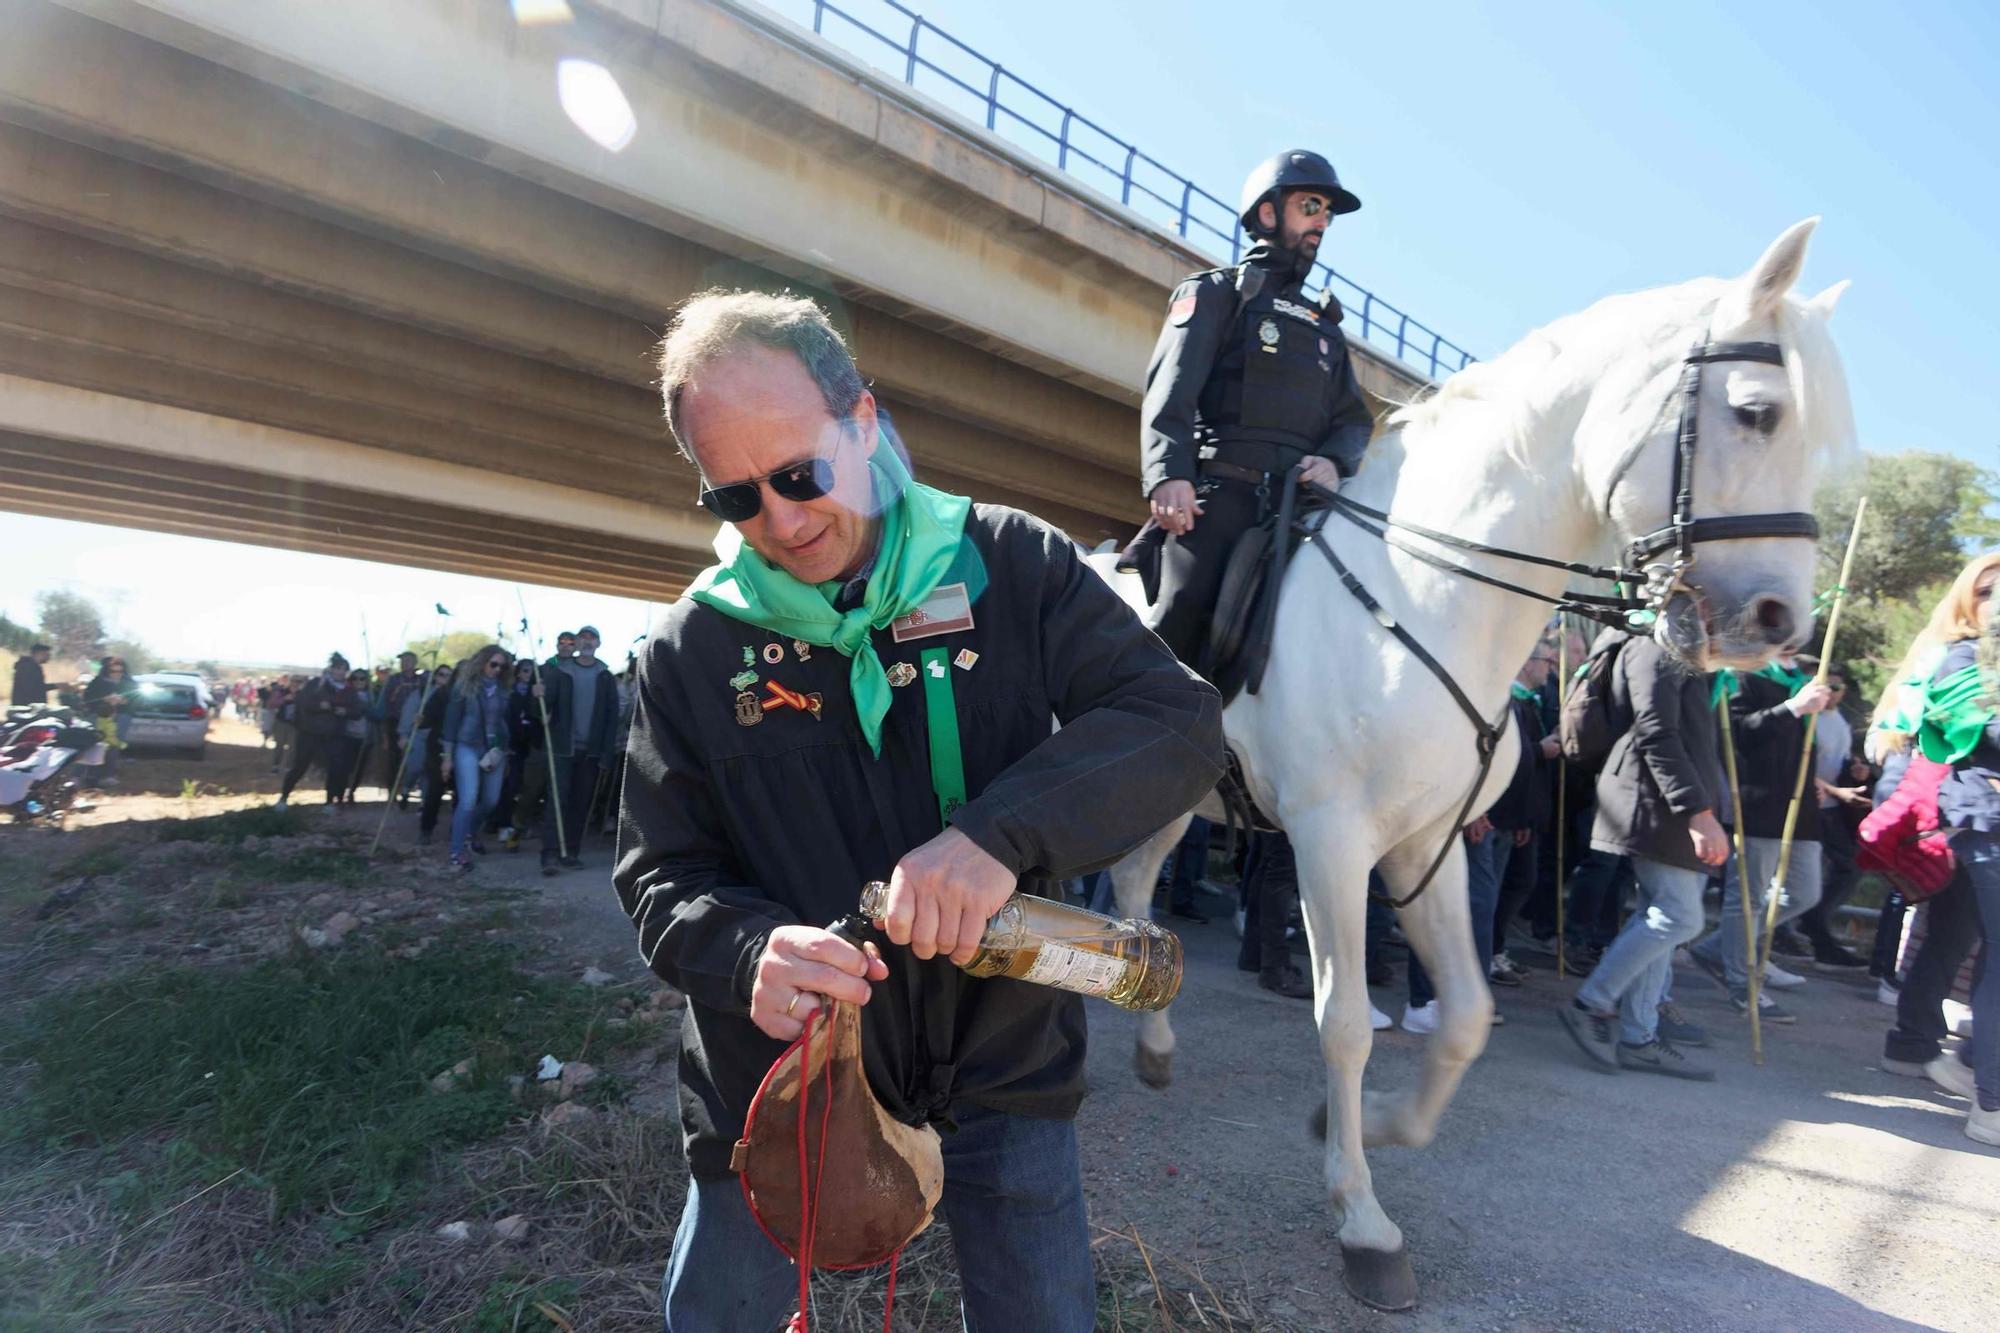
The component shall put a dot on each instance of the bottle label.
(1082, 970)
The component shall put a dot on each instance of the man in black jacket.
(783, 753)
(324, 708)
(1249, 380)
(583, 725)
(1656, 803)
(1767, 713)
(31, 687)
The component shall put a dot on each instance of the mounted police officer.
(1248, 381)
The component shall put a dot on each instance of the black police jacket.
(729, 831)
(1245, 357)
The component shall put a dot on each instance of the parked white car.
(172, 712)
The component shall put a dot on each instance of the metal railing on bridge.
(1008, 105)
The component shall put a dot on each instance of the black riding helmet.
(1296, 169)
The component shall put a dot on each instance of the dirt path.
(1816, 1192)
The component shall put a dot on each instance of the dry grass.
(602, 1200)
(134, 1199)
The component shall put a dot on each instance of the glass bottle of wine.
(1134, 964)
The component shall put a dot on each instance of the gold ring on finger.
(794, 1002)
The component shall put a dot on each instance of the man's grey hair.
(719, 320)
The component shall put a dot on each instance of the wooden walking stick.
(1742, 870)
(1562, 786)
(402, 767)
(1777, 886)
(548, 735)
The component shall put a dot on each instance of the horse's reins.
(1657, 582)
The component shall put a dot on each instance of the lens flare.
(533, 13)
(595, 104)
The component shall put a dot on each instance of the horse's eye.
(1761, 417)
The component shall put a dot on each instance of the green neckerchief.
(920, 533)
(1909, 692)
(1521, 692)
(1791, 678)
(1954, 716)
(1729, 684)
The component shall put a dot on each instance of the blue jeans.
(473, 794)
(1727, 946)
(1485, 863)
(1013, 1197)
(1634, 975)
(1980, 854)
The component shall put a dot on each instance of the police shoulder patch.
(1186, 297)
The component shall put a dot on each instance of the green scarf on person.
(920, 533)
(1954, 716)
(1728, 684)
(1521, 692)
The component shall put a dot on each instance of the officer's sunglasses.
(740, 501)
(1312, 206)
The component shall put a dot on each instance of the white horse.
(1564, 447)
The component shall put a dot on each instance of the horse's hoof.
(1318, 1122)
(1155, 1071)
(1380, 1278)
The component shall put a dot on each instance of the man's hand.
(1476, 831)
(800, 967)
(942, 895)
(1320, 472)
(1175, 507)
(1522, 836)
(1845, 795)
(1552, 746)
(1711, 845)
(536, 690)
(1813, 698)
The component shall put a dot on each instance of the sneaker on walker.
(1778, 979)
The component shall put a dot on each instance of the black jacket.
(323, 709)
(30, 685)
(559, 688)
(1769, 743)
(1215, 336)
(728, 831)
(1666, 767)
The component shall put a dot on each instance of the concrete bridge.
(347, 277)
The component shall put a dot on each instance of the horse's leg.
(1333, 874)
(1438, 926)
(1132, 881)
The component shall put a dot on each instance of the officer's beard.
(1303, 255)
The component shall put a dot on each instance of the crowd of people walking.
(523, 750)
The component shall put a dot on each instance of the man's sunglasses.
(740, 500)
(1312, 206)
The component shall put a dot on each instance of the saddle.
(1246, 607)
(833, 1179)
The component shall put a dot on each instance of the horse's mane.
(1502, 399)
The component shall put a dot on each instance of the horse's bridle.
(1659, 581)
(1656, 580)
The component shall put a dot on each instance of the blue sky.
(1517, 162)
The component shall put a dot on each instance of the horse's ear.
(1824, 303)
(1757, 293)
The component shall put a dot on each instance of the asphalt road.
(1815, 1192)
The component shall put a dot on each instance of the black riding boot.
(1192, 566)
